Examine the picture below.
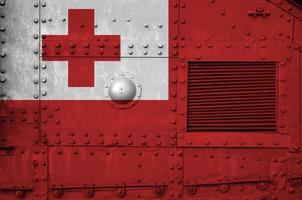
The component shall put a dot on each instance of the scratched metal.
(20, 46)
(138, 24)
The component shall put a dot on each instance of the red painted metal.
(88, 149)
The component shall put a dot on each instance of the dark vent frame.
(252, 71)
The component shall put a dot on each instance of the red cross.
(81, 48)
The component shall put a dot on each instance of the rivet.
(59, 152)
(2, 54)
(86, 45)
(282, 125)
(145, 45)
(2, 79)
(131, 45)
(160, 45)
(2, 28)
(44, 80)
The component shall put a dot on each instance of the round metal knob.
(122, 90)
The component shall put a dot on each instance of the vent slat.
(194, 86)
(235, 89)
(193, 117)
(231, 97)
(255, 98)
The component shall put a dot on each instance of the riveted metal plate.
(135, 168)
(143, 29)
(20, 48)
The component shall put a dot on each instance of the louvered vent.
(231, 97)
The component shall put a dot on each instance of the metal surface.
(98, 99)
(143, 29)
(123, 88)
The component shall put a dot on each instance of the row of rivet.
(101, 49)
(288, 7)
(3, 79)
(128, 19)
(225, 143)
